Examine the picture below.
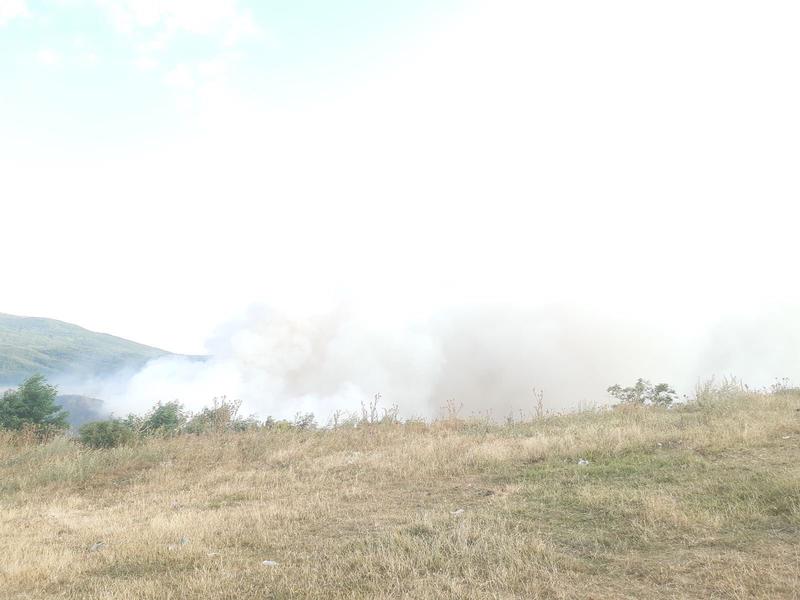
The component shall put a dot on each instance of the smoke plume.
(488, 359)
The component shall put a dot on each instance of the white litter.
(583, 462)
(97, 546)
(269, 563)
(457, 513)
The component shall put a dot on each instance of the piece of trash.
(583, 462)
(457, 513)
(97, 546)
(786, 437)
(269, 563)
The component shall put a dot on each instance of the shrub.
(106, 434)
(32, 404)
(305, 421)
(166, 418)
(644, 393)
(273, 424)
(222, 416)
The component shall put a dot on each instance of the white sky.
(628, 155)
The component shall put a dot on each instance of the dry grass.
(697, 502)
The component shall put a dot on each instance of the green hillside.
(33, 345)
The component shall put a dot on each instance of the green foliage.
(165, 418)
(644, 393)
(106, 434)
(273, 424)
(32, 404)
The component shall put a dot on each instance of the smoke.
(488, 359)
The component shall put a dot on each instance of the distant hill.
(31, 345)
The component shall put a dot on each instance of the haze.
(583, 191)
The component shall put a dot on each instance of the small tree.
(644, 393)
(32, 404)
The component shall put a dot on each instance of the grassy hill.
(698, 501)
(33, 345)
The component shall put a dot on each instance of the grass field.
(701, 501)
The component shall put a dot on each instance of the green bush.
(644, 393)
(32, 404)
(167, 418)
(106, 434)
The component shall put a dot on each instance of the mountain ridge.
(56, 348)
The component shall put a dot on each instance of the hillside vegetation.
(30, 345)
(696, 501)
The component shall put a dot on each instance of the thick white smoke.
(489, 359)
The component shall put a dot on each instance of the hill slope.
(33, 345)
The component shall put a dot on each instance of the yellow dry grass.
(701, 501)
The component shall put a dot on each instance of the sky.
(166, 166)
